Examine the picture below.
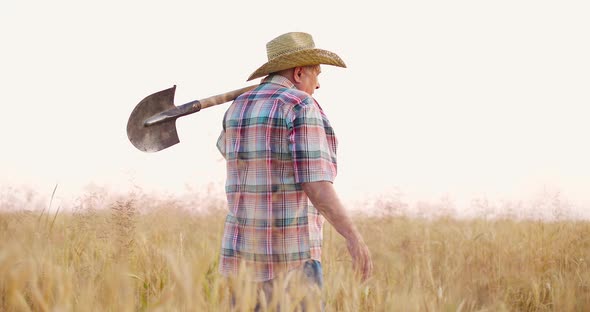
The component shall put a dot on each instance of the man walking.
(281, 155)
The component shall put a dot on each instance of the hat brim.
(299, 58)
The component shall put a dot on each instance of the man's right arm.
(325, 199)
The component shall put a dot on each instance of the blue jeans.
(312, 269)
(312, 278)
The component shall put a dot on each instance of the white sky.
(459, 98)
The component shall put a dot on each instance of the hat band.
(283, 52)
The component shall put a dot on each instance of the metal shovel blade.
(155, 137)
(152, 124)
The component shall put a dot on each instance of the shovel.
(152, 124)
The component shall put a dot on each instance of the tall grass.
(131, 257)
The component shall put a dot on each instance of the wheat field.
(139, 254)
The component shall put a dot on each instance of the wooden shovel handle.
(194, 106)
(224, 97)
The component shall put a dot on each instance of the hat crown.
(289, 43)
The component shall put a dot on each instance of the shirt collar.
(280, 80)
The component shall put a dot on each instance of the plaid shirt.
(274, 138)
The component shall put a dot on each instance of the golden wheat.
(164, 258)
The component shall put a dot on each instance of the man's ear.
(297, 73)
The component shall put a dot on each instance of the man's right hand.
(361, 257)
(326, 201)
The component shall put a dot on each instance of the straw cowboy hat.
(292, 50)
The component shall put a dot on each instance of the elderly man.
(281, 155)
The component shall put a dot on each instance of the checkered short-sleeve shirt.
(274, 138)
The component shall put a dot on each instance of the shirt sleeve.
(221, 143)
(221, 139)
(313, 158)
